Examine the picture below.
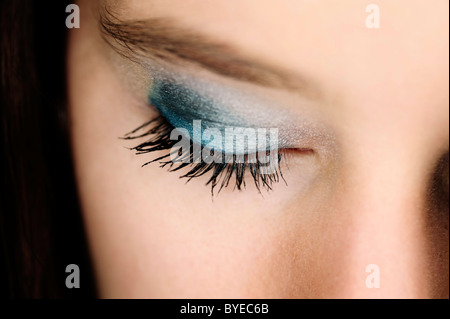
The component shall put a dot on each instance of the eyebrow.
(162, 38)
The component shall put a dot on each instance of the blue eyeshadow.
(181, 106)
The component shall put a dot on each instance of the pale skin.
(385, 102)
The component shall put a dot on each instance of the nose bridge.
(384, 248)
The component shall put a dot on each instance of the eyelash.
(157, 134)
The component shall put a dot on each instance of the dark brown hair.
(40, 222)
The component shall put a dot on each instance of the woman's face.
(363, 119)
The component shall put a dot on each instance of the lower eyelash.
(157, 138)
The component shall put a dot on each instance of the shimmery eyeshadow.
(182, 97)
(181, 106)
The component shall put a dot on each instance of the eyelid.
(156, 134)
(219, 106)
(180, 104)
(207, 123)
